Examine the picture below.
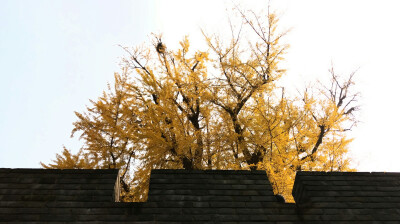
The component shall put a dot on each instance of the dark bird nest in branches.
(160, 47)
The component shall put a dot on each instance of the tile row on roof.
(210, 196)
(348, 196)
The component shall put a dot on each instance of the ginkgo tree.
(218, 108)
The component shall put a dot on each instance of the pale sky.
(56, 55)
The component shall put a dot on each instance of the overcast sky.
(56, 55)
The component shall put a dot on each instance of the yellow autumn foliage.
(218, 108)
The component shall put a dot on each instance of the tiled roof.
(40, 195)
(181, 196)
(342, 197)
(176, 196)
(216, 196)
(40, 185)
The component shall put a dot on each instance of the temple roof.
(209, 196)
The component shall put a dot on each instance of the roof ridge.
(182, 171)
(337, 173)
(63, 171)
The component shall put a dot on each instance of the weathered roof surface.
(347, 196)
(181, 196)
(39, 185)
(176, 196)
(216, 196)
(43, 195)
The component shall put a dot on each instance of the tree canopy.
(218, 108)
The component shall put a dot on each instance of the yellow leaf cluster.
(214, 109)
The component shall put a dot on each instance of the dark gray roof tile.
(31, 185)
(181, 196)
(347, 196)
